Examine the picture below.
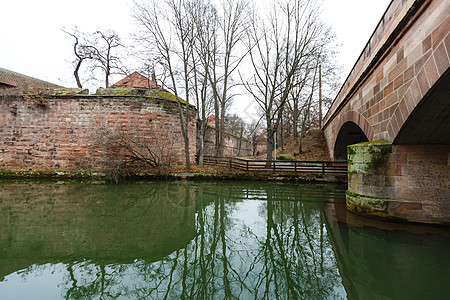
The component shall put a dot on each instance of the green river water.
(209, 240)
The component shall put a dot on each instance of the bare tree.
(303, 108)
(223, 61)
(236, 126)
(256, 134)
(279, 52)
(197, 45)
(117, 150)
(294, 103)
(100, 50)
(105, 57)
(205, 19)
(82, 51)
(320, 73)
(307, 108)
(167, 30)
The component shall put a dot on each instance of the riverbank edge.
(97, 176)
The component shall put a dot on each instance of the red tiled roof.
(135, 80)
(211, 120)
(11, 79)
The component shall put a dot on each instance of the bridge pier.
(403, 182)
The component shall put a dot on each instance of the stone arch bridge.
(397, 100)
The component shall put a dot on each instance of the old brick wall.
(62, 132)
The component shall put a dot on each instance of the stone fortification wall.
(66, 131)
(234, 146)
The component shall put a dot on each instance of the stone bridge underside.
(397, 100)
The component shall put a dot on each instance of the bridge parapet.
(392, 18)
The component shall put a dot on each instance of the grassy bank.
(170, 173)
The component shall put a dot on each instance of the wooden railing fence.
(279, 166)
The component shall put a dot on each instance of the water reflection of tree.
(226, 258)
(298, 261)
(98, 281)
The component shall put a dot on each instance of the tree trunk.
(281, 135)
(222, 129)
(269, 149)
(186, 150)
(305, 118)
(186, 126)
(75, 73)
(202, 145)
(307, 111)
(269, 141)
(217, 126)
(106, 79)
(295, 117)
(320, 96)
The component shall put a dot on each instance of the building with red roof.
(137, 81)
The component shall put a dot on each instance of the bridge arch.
(423, 107)
(425, 119)
(353, 128)
(349, 134)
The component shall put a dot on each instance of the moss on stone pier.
(366, 204)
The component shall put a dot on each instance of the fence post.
(323, 168)
(231, 166)
(246, 162)
(274, 166)
(295, 167)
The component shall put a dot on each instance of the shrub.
(285, 157)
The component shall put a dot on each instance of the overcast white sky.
(32, 43)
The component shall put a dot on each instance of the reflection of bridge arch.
(378, 262)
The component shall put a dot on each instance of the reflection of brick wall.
(61, 132)
(92, 222)
(231, 144)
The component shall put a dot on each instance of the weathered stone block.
(366, 204)
(411, 180)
